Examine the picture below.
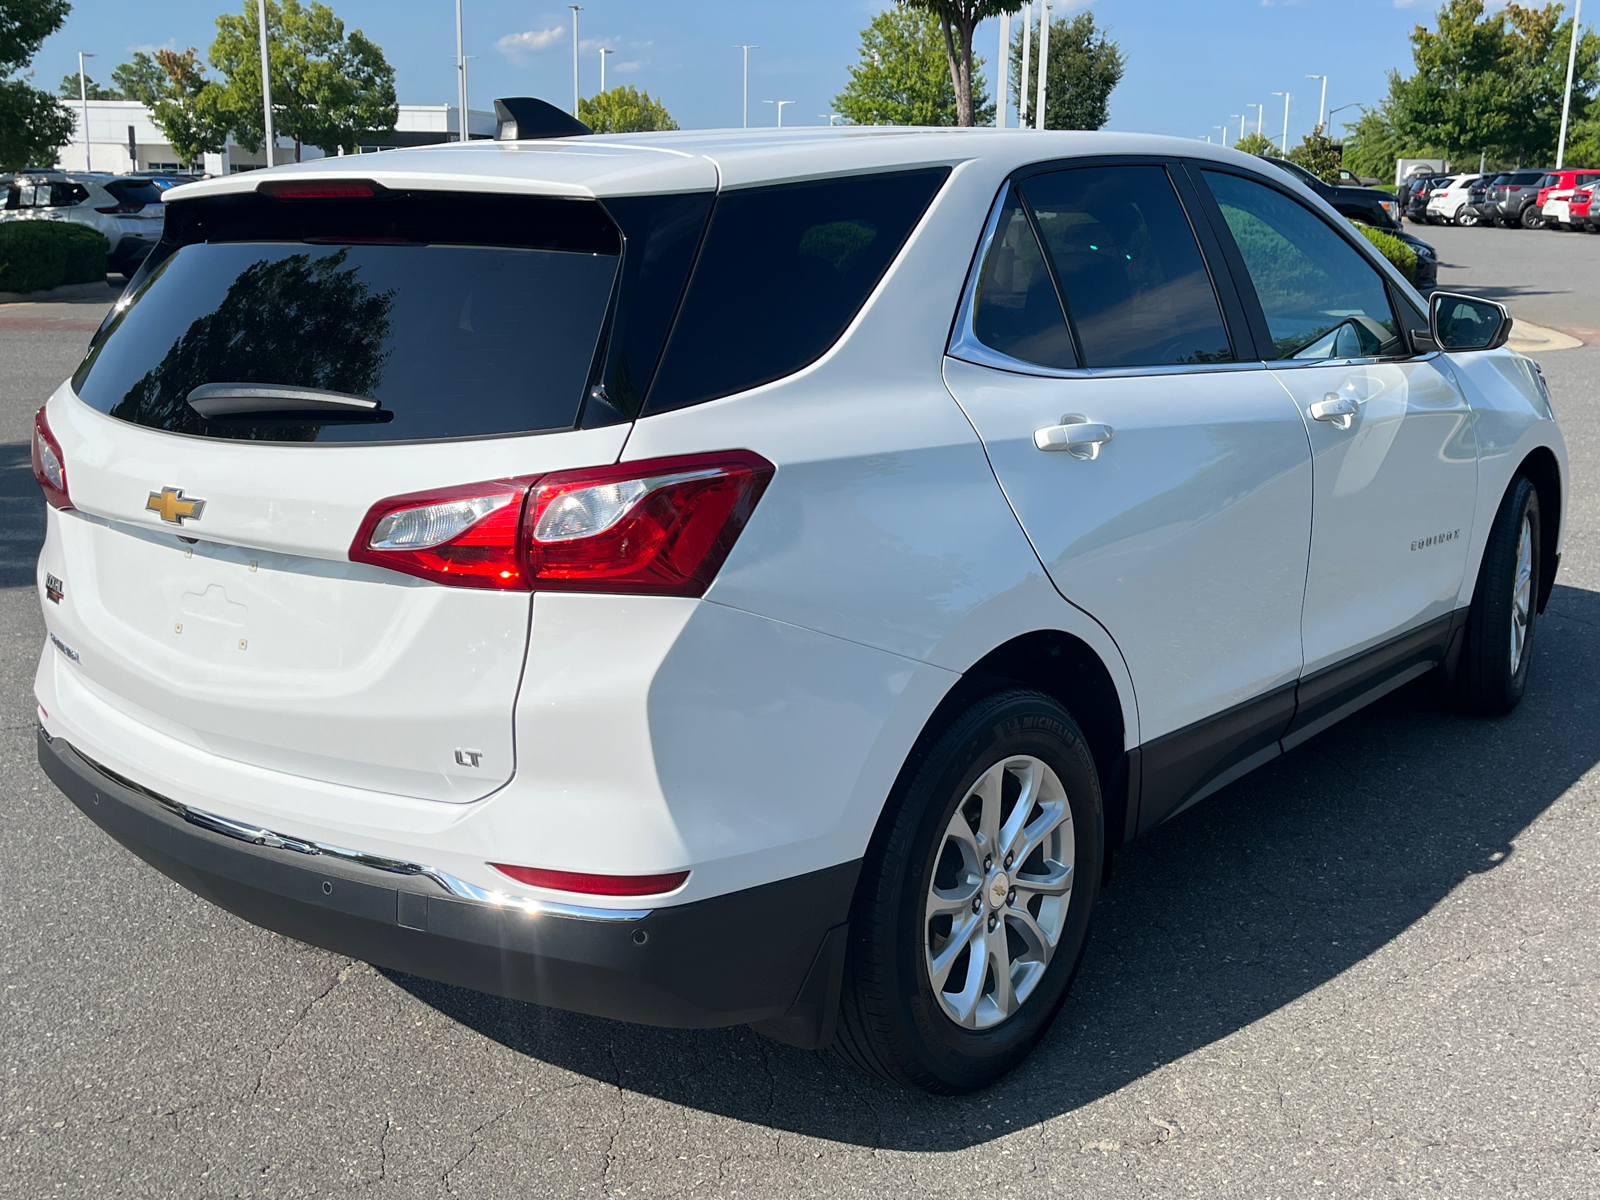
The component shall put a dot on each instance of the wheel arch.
(1544, 472)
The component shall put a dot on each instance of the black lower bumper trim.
(730, 960)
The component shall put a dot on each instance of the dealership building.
(123, 137)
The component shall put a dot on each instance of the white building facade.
(124, 138)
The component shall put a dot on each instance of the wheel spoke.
(1030, 837)
(960, 935)
(949, 902)
(987, 790)
(1040, 943)
(1005, 998)
(1057, 883)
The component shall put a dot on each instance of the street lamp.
(603, 53)
(575, 11)
(1005, 72)
(83, 99)
(266, 71)
(1261, 112)
(1027, 58)
(1323, 107)
(1237, 117)
(747, 50)
(1223, 130)
(780, 104)
(1285, 96)
(829, 116)
(1566, 98)
(1044, 63)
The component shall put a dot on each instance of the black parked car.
(1421, 191)
(1510, 201)
(1474, 211)
(1371, 206)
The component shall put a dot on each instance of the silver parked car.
(126, 210)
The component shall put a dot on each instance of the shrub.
(36, 255)
(1392, 248)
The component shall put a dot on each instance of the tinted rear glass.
(452, 340)
(134, 191)
(783, 271)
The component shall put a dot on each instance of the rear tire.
(1466, 220)
(1492, 673)
(1531, 219)
(923, 1003)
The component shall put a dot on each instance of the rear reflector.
(595, 885)
(49, 464)
(659, 527)
(333, 189)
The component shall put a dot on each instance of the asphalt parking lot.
(1367, 970)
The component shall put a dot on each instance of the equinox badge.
(169, 504)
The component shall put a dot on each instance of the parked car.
(1510, 202)
(1475, 210)
(1427, 258)
(1350, 179)
(1447, 200)
(127, 211)
(1558, 186)
(168, 179)
(1371, 206)
(1580, 209)
(795, 644)
(1421, 192)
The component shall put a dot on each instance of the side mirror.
(1467, 323)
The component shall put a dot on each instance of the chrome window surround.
(459, 888)
(964, 343)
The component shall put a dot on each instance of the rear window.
(783, 272)
(460, 316)
(134, 191)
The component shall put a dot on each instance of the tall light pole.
(747, 50)
(603, 53)
(1566, 99)
(575, 11)
(1223, 130)
(780, 104)
(1239, 118)
(1044, 62)
(1323, 107)
(1027, 59)
(461, 80)
(266, 76)
(83, 99)
(1285, 96)
(1005, 72)
(829, 116)
(1261, 112)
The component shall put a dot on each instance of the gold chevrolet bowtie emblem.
(169, 504)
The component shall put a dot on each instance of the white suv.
(1445, 203)
(714, 578)
(126, 209)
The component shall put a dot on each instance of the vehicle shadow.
(1224, 915)
(21, 516)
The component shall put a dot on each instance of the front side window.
(1137, 291)
(1321, 298)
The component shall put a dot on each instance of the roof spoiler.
(522, 117)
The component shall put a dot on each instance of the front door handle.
(1078, 437)
(1340, 411)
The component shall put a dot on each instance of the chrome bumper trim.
(459, 888)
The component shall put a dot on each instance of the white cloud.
(515, 44)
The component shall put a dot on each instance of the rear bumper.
(771, 955)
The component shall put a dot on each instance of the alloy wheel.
(1000, 892)
(1522, 594)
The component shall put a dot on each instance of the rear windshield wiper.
(239, 399)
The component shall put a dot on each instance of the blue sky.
(1191, 66)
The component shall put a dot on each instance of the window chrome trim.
(459, 888)
(964, 343)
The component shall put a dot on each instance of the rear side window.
(63, 195)
(1016, 310)
(1136, 288)
(134, 191)
(1321, 298)
(387, 300)
(782, 273)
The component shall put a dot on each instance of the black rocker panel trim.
(1345, 683)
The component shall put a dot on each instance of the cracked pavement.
(1367, 970)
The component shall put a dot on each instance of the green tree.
(1085, 68)
(1318, 154)
(1258, 143)
(91, 89)
(903, 76)
(1372, 145)
(185, 106)
(328, 90)
(1490, 83)
(33, 125)
(957, 21)
(141, 79)
(624, 110)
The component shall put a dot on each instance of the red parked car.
(1582, 216)
(1559, 181)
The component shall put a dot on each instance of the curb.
(67, 291)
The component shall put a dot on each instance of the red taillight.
(595, 885)
(49, 464)
(121, 208)
(333, 189)
(662, 526)
(659, 527)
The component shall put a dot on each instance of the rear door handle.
(1079, 438)
(1338, 410)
